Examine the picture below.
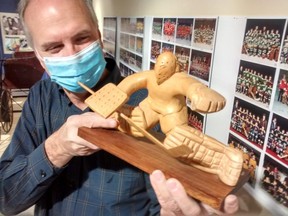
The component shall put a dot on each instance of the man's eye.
(54, 49)
(82, 39)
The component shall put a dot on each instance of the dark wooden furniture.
(22, 70)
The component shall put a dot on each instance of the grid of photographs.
(192, 41)
(109, 36)
(131, 44)
(13, 38)
(259, 119)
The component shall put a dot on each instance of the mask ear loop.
(41, 60)
(38, 55)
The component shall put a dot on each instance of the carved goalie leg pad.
(206, 153)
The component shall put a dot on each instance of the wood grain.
(148, 157)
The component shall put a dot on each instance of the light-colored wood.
(166, 104)
(86, 88)
(174, 152)
(106, 100)
(144, 132)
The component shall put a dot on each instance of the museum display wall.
(242, 56)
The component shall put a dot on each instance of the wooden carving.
(166, 104)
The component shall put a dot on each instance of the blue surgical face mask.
(86, 66)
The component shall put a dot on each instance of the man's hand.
(174, 200)
(65, 143)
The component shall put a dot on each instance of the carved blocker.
(106, 100)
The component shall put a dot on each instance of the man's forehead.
(52, 7)
(56, 19)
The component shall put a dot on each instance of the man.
(46, 163)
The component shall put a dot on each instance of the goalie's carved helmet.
(165, 67)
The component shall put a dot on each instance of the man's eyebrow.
(81, 33)
(55, 43)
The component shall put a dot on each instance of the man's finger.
(187, 205)
(158, 182)
(168, 205)
(231, 204)
(94, 120)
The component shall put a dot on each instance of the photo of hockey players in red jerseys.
(195, 120)
(200, 64)
(281, 95)
(169, 28)
(184, 31)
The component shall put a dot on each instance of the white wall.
(228, 46)
(192, 7)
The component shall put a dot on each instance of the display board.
(13, 38)
(259, 116)
(131, 42)
(244, 59)
(254, 121)
(192, 40)
(110, 36)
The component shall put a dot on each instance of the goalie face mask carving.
(165, 67)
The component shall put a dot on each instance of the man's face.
(60, 28)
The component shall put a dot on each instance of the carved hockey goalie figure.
(166, 104)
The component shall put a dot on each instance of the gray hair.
(23, 4)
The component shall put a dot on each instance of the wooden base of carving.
(148, 157)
